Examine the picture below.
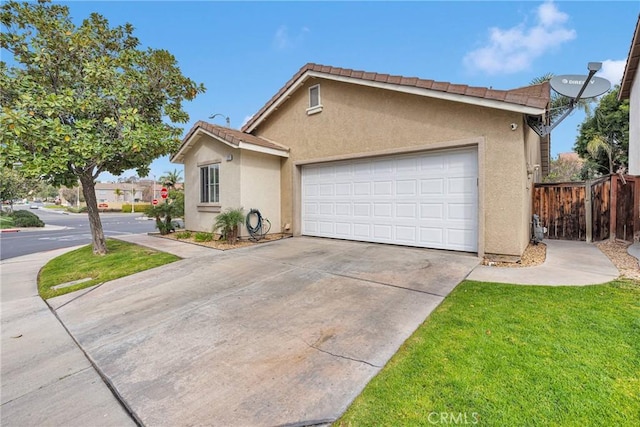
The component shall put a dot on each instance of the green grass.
(122, 259)
(202, 236)
(6, 222)
(509, 355)
(183, 235)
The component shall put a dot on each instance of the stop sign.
(164, 193)
(154, 202)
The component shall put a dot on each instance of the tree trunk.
(97, 234)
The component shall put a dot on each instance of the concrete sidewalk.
(567, 263)
(46, 378)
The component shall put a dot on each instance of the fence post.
(588, 211)
(636, 209)
(613, 201)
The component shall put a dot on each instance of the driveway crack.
(313, 346)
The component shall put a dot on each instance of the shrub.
(23, 218)
(83, 209)
(183, 235)
(202, 236)
(163, 214)
(138, 207)
(228, 223)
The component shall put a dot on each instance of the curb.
(9, 230)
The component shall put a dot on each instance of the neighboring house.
(374, 157)
(630, 89)
(106, 192)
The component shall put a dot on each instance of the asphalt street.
(70, 230)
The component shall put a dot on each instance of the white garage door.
(427, 200)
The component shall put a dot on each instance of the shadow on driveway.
(284, 332)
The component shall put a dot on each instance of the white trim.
(259, 149)
(465, 99)
(243, 145)
(278, 102)
(314, 110)
(319, 104)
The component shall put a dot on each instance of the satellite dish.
(571, 84)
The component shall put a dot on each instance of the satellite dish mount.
(574, 87)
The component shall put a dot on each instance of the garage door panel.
(406, 187)
(362, 188)
(362, 231)
(432, 186)
(406, 210)
(461, 211)
(432, 163)
(383, 188)
(409, 164)
(383, 232)
(466, 185)
(343, 189)
(406, 234)
(425, 200)
(343, 209)
(343, 229)
(382, 210)
(432, 236)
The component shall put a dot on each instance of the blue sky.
(243, 52)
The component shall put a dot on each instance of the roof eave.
(631, 67)
(465, 99)
(197, 134)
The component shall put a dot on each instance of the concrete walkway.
(567, 263)
(634, 251)
(46, 378)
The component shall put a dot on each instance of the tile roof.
(536, 96)
(631, 68)
(231, 136)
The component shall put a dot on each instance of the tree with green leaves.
(13, 185)
(82, 100)
(603, 138)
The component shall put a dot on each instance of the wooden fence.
(587, 210)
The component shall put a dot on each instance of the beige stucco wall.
(250, 180)
(634, 126)
(260, 187)
(199, 216)
(357, 121)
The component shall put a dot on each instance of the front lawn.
(6, 221)
(509, 355)
(122, 259)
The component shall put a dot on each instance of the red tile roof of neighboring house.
(631, 68)
(231, 136)
(536, 96)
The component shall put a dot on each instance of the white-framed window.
(315, 105)
(210, 183)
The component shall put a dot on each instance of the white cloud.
(282, 40)
(612, 70)
(514, 49)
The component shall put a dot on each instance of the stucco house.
(630, 89)
(374, 157)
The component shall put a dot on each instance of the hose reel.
(261, 227)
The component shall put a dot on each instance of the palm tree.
(118, 192)
(601, 143)
(170, 179)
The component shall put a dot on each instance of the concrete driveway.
(287, 332)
